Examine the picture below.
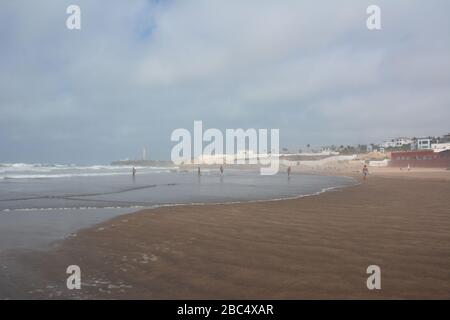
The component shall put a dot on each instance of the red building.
(421, 158)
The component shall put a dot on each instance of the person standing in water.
(289, 171)
(365, 171)
(221, 170)
(134, 171)
(198, 172)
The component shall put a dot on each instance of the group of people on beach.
(199, 173)
(221, 171)
(365, 171)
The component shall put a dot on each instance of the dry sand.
(314, 247)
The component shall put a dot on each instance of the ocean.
(40, 203)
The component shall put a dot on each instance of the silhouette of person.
(365, 171)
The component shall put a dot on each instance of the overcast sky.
(139, 69)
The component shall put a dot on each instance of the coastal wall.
(421, 159)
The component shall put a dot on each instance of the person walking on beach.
(365, 171)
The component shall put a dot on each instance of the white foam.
(83, 208)
(44, 171)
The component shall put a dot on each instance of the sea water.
(40, 203)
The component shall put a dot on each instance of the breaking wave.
(45, 171)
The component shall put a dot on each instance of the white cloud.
(138, 70)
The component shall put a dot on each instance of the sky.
(137, 70)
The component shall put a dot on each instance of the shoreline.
(177, 251)
(156, 206)
(37, 228)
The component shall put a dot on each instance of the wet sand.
(314, 247)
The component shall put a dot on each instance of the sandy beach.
(313, 247)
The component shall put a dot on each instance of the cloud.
(136, 71)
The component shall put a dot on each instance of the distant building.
(445, 138)
(388, 144)
(423, 144)
(397, 143)
(400, 142)
(440, 146)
